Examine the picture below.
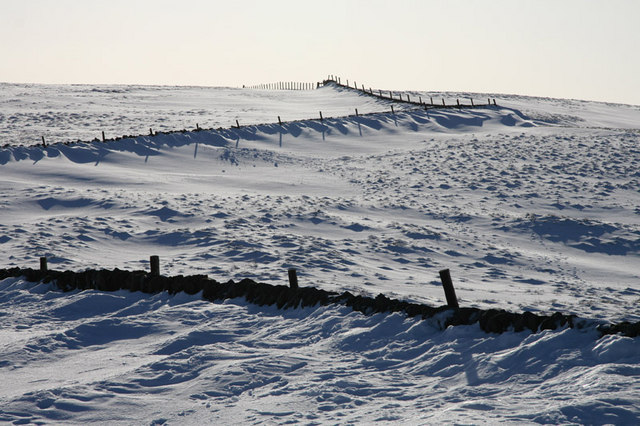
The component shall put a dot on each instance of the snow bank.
(125, 357)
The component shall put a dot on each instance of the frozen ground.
(533, 205)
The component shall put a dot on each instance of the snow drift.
(532, 204)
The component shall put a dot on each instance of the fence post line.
(320, 115)
(408, 99)
(449, 291)
(494, 102)
(392, 111)
(472, 102)
(237, 124)
(154, 262)
(44, 144)
(293, 279)
(103, 138)
(150, 131)
(356, 112)
(458, 102)
(279, 122)
(43, 264)
(443, 104)
(420, 98)
(431, 100)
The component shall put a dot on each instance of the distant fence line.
(380, 94)
(284, 85)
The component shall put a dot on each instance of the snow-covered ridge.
(437, 120)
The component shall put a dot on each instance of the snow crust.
(532, 204)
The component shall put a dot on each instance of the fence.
(284, 85)
(294, 296)
(419, 104)
(380, 94)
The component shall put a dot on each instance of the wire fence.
(389, 96)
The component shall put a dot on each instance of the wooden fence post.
(443, 102)
(43, 264)
(449, 291)
(472, 102)
(356, 112)
(293, 279)
(320, 115)
(408, 99)
(392, 111)
(150, 131)
(279, 122)
(103, 138)
(154, 262)
(431, 100)
(237, 124)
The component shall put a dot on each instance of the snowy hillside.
(533, 205)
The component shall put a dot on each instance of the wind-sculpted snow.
(532, 205)
(126, 357)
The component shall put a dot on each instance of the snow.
(532, 205)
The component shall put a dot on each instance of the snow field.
(532, 205)
(117, 357)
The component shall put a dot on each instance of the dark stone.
(491, 320)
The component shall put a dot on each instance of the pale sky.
(584, 49)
